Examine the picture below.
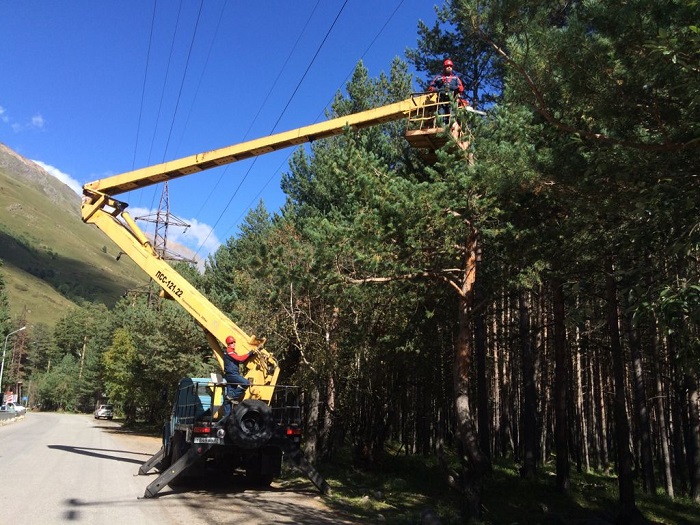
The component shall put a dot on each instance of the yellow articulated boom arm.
(210, 159)
(109, 215)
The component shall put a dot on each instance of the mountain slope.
(51, 259)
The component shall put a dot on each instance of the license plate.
(206, 440)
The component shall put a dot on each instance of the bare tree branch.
(442, 275)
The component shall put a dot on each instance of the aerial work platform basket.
(428, 131)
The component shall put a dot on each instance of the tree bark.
(693, 436)
(628, 508)
(475, 464)
(678, 419)
(601, 410)
(328, 427)
(529, 406)
(641, 408)
(482, 392)
(561, 380)
(661, 415)
(311, 440)
(583, 403)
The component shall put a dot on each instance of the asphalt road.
(64, 468)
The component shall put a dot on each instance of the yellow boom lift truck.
(264, 428)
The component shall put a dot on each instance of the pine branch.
(542, 108)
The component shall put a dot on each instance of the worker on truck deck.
(236, 384)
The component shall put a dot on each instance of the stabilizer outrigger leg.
(152, 463)
(296, 457)
(194, 454)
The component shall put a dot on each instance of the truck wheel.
(250, 425)
(261, 468)
(256, 479)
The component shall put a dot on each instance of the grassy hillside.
(51, 259)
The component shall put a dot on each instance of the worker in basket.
(449, 87)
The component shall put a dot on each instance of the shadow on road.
(102, 453)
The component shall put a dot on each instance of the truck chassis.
(205, 432)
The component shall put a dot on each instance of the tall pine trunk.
(481, 378)
(661, 417)
(628, 507)
(529, 406)
(561, 380)
(475, 464)
(693, 436)
(311, 441)
(641, 409)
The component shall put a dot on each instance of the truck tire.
(258, 480)
(250, 425)
(262, 467)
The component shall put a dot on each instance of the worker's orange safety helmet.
(230, 340)
(447, 62)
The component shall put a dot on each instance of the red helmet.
(447, 62)
(230, 340)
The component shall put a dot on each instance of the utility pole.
(82, 358)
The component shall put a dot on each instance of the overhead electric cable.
(286, 159)
(143, 86)
(262, 105)
(184, 76)
(162, 95)
(165, 82)
(201, 77)
(309, 67)
(273, 127)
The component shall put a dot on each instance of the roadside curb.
(6, 419)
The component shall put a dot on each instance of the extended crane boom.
(109, 215)
(210, 159)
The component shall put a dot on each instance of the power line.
(318, 50)
(262, 105)
(204, 69)
(143, 86)
(286, 159)
(165, 82)
(282, 113)
(184, 76)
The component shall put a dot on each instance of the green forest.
(533, 299)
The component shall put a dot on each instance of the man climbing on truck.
(236, 384)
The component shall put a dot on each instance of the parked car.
(104, 412)
(13, 407)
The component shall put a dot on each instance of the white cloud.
(198, 234)
(37, 122)
(63, 177)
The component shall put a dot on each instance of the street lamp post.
(4, 348)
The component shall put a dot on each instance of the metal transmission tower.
(163, 219)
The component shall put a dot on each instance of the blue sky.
(91, 89)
